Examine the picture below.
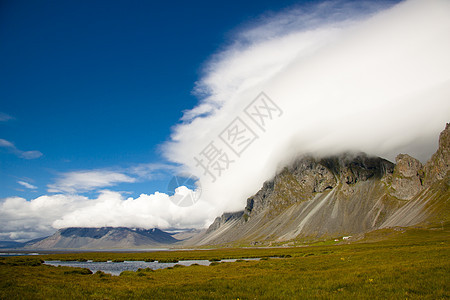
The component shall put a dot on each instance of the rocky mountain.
(341, 195)
(17, 245)
(105, 238)
(10, 244)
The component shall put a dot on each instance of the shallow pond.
(115, 268)
(6, 254)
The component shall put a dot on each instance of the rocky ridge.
(341, 195)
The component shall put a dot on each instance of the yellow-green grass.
(412, 263)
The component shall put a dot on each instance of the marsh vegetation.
(409, 264)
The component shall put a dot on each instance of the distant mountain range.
(99, 238)
(10, 244)
(16, 245)
(104, 238)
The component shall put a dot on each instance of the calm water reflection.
(115, 268)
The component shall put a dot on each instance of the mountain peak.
(105, 237)
(438, 166)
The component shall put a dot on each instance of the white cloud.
(150, 170)
(378, 84)
(23, 220)
(27, 185)
(30, 154)
(5, 117)
(6, 144)
(308, 17)
(90, 180)
(87, 180)
(20, 153)
(146, 211)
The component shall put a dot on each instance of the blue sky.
(99, 84)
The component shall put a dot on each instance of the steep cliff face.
(307, 177)
(437, 167)
(341, 195)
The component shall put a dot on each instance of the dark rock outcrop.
(308, 176)
(407, 177)
(226, 217)
(438, 166)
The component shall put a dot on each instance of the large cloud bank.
(24, 220)
(373, 82)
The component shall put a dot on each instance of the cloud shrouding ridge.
(375, 83)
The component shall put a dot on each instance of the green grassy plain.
(408, 264)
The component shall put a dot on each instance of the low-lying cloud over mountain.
(370, 81)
